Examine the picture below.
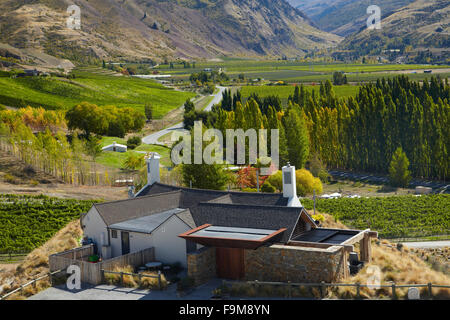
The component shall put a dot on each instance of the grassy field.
(101, 89)
(116, 159)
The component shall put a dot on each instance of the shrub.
(324, 176)
(276, 180)
(249, 190)
(318, 217)
(267, 187)
(152, 283)
(306, 183)
(134, 142)
(134, 162)
(29, 170)
(10, 178)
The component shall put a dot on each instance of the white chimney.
(152, 161)
(290, 186)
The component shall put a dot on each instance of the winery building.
(231, 235)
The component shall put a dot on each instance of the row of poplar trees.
(363, 132)
(358, 133)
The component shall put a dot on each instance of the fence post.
(121, 278)
(159, 279)
(322, 289)
(140, 279)
(50, 277)
(256, 286)
(394, 295)
(430, 293)
(289, 290)
(103, 276)
(358, 288)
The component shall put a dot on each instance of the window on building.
(114, 234)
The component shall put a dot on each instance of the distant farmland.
(302, 72)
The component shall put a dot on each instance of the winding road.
(428, 244)
(154, 137)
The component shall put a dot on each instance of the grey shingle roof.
(219, 208)
(146, 224)
(186, 217)
(247, 216)
(195, 196)
(118, 211)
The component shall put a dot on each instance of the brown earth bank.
(36, 263)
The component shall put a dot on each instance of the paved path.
(108, 292)
(154, 137)
(427, 244)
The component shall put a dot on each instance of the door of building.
(230, 263)
(125, 242)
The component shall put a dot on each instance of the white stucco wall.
(94, 226)
(119, 148)
(169, 248)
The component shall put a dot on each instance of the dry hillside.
(157, 29)
(344, 17)
(397, 264)
(421, 24)
(36, 263)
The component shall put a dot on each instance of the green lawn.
(101, 89)
(116, 159)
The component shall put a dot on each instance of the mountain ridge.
(140, 29)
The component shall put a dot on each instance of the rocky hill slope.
(119, 29)
(421, 25)
(344, 17)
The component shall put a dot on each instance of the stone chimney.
(152, 161)
(290, 186)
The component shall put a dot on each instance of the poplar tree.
(398, 169)
(296, 137)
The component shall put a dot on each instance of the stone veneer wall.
(296, 264)
(202, 265)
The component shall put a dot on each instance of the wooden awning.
(231, 237)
